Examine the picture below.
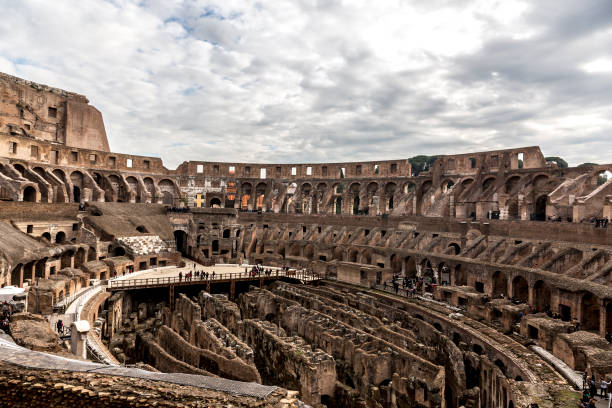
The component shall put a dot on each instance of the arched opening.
(167, 189)
(79, 260)
(396, 264)
(141, 229)
(410, 269)
(309, 251)
(167, 198)
(513, 210)
(180, 238)
(215, 203)
(488, 183)
(355, 205)
(29, 194)
(540, 208)
(353, 255)
(511, 183)
(17, 276)
(520, 289)
(76, 194)
(500, 284)
(46, 236)
(541, 294)
(456, 248)
(226, 233)
(40, 268)
(590, 312)
(118, 251)
(91, 254)
(338, 205)
(215, 245)
(60, 237)
(460, 275)
(501, 366)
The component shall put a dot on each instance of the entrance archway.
(180, 237)
(215, 203)
(76, 194)
(338, 205)
(540, 208)
(500, 284)
(541, 294)
(520, 289)
(29, 194)
(590, 312)
(460, 276)
(60, 237)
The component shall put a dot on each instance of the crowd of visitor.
(589, 390)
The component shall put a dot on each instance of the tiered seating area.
(144, 245)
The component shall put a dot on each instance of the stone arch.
(410, 269)
(132, 183)
(409, 187)
(541, 296)
(215, 202)
(540, 207)
(76, 177)
(590, 312)
(487, 183)
(46, 236)
(226, 233)
(168, 191)
(396, 264)
(60, 237)
(180, 238)
(520, 289)
(17, 275)
(79, 259)
(500, 284)
(29, 194)
(309, 251)
(260, 195)
(511, 183)
(352, 255)
(390, 189)
(460, 275)
(455, 247)
(540, 180)
(294, 250)
(366, 257)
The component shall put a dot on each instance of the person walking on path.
(603, 387)
(60, 326)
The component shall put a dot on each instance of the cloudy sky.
(326, 80)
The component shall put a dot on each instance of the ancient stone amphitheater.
(480, 282)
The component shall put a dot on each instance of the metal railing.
(222, 277)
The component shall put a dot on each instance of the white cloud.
(314, 80)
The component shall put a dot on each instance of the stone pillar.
(78, 338)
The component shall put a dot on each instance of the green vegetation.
(560, 162)
(421, 163)
(587, 164)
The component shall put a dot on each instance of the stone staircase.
(143, 245)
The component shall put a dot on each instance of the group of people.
(257, 270)
(196, 275)
(589, 390)
(411, 286)
(600, 222)
(7, 311)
